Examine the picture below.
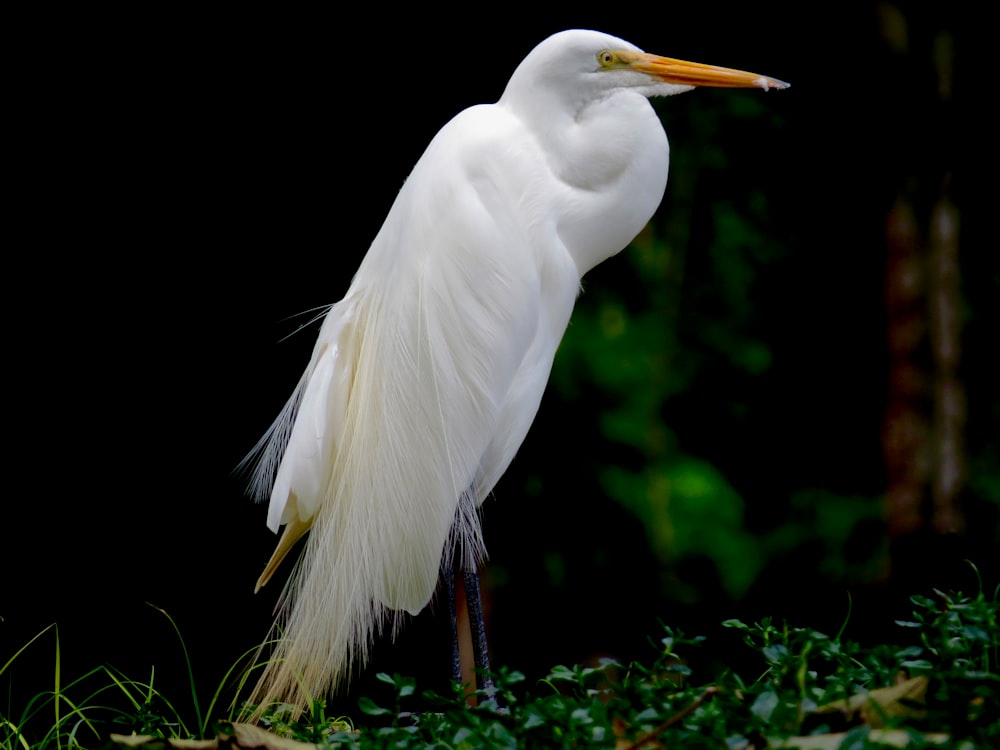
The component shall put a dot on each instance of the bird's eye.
(606, 57)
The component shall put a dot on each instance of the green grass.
(85, 712)
(939, 686)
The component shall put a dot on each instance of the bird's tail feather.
(294, 531)
(320, 640)
(327, 635)
(386, 511)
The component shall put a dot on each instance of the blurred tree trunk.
(948, 416)
(925, 416)
(905, 429)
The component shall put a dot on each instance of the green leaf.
(368, 706)
(775, 654)
(764, 705)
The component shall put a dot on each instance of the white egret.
(427, 375)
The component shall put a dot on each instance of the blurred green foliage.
(681, 310)
(720, 349)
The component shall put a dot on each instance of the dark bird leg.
(477, 627)
(477, 624)
(448, 573)
(470, 589)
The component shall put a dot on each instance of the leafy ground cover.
(939, 686)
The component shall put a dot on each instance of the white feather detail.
(428, 374)
(408, 388)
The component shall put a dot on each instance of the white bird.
(427, 375)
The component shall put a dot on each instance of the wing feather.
(410, 381)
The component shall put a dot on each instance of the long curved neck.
(612, 155)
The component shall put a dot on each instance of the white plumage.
(426, 377)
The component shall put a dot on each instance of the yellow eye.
(606, 58)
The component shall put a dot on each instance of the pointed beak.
(685, 73)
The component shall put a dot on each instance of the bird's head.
(583, 65)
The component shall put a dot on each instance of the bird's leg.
(474, 604)
(448, 573)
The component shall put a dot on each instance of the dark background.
(185, 184)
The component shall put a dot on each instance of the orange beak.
(685, 73)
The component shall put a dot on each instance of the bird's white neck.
(612, 155)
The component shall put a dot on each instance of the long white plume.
(403, 410)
